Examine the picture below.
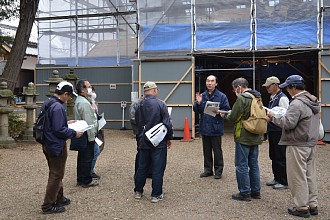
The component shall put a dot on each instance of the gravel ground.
(23, 176)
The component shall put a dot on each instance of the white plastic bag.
(156, 134)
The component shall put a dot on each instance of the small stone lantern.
(72, 78)
(53, 81)
(30, 94)
(5, 96)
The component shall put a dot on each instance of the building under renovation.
(118, 45)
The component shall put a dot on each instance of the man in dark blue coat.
(56, 133)
(211, 127)
(150, 112)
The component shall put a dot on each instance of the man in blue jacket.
(211, 127)
(150, 112)
(56, 133)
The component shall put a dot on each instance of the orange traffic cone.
(186, 131)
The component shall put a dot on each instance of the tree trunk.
(28, 9)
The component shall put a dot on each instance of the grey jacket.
(300, 124)
(83, 111)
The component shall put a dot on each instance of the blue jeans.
(96, 155)
(157, 157)
(247, 168)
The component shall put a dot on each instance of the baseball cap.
(271, 80)
(149, 85)
(294, 79)
(65, 86)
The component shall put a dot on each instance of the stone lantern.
(53, 81)
(30, 94)
(5, 96)
(72, 78)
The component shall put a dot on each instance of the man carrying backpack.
(56, 132)
(246, 143)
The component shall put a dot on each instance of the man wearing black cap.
(56, 133)
(300, 133)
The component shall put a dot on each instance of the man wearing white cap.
(276, 151)
(56, 133)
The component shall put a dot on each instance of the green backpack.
(257, 121)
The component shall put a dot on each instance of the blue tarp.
(234, 35)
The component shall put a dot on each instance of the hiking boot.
(65, 202)
(313, 211)
(205, 174)
(255, 195)
(91, 184)
(157, 199)
(301, 213)
(54, 209)
(279, 186)
(138, 195)
(241, 197)
(271, 183)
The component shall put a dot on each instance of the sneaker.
(271, 183)
(255, 195)
(279, 186)
(138, 195)
(301, 213)
(54, 209)
(157, 199)
(95, 176)
(313, 211)
(241, 197)
(65, 202)
(205, 174)
(91, 184)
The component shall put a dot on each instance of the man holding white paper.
(83, 111)
(150, 112)
(211, 126)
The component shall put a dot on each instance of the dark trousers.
(277, 155)
(54, 189)
(212, 143)
(84, 164)
(137, 165)
(157, 157)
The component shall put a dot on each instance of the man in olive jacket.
(246, 144)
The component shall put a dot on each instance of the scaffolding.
(112, 32)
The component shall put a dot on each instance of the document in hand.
(210, 106)
(80, 125)
(156, 134)
(278, 111)
(102, 121)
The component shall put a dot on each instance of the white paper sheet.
(98, 141)
(102, 122)
(210, 107)
(80, 125)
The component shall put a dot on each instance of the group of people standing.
(292, 139)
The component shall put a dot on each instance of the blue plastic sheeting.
(167, 37)
(235, 35)
(93, 61)
(303, 32)
(225, 35)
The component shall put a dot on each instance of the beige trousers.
(301, 175)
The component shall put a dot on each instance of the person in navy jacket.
(211, 128)
(56, 133)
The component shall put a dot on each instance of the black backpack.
(38, 127)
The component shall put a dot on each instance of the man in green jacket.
(246, 144)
